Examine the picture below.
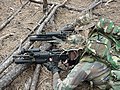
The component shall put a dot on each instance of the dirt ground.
(24, 22)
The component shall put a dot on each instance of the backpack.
(104, 44)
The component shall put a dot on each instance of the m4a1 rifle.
(61, 34)
(37, 56)
(47, 36)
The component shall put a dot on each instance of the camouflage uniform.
(101, 49)
(84, 71)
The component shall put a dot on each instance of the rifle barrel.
(47, 36)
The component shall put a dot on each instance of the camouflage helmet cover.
(73, 42)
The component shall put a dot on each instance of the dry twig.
(35, 77)
(42, 81)
(27, 84)
(13, 15)
(65, 6)
(6, 36)
(45, 6)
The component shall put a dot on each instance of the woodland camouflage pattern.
(103, 48)
(84, 71)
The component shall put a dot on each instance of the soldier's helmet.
(73, 42)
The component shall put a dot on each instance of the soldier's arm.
(73, 79)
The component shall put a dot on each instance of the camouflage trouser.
(96, 72)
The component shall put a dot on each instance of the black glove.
(51, 66)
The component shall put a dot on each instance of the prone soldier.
(98, 63)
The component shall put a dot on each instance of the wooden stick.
(50, 16)
(35, 77)
(27, 84)
(92, 5)
(108, 1)
(9, 77)
(4, 37)
(13, 15)
(38, 68)
(64, 6)
(42, 81)
(45, 6)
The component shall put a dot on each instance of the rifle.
(39, 57)
(48, 36)
(61, 34)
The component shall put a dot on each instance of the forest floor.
(24, 22)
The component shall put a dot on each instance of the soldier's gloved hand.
(51, 66)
